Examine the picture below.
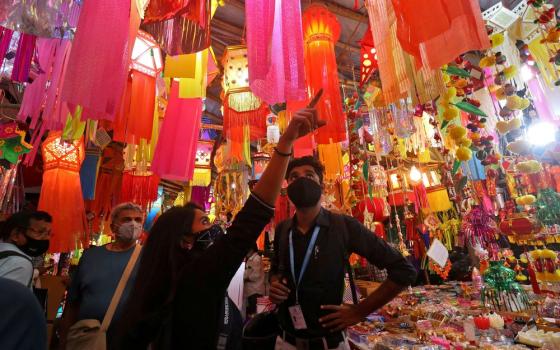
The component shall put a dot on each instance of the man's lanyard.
(310, 247)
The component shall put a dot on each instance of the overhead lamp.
(541, 133)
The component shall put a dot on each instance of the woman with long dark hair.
(187, 265)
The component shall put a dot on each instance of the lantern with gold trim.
(244, 113)
(202, 168)
(238, 95)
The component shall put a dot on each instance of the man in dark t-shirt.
(100, 269)
(307, 273)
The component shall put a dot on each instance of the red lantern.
(368, 57)
(374, 206)
(320, 32)
(520, 225)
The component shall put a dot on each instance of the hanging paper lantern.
(202, 168)
(321, 31)
(399, 189)
(436, 193)
(520, 226)
(136, 117)
(368, 57)
(180, 27)
(140, 188)
(244, 113)
(146, 55)
(260, 161)
(236, 80)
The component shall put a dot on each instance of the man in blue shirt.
(99, 272)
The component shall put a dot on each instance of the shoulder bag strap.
(120, 288)
(8, 253)
(341, 223)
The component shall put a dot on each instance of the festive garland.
(442, 272)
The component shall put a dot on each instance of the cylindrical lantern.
(520, 226)
(320, 32)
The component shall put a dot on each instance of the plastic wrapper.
(42, 18)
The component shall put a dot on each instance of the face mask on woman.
(206, 238)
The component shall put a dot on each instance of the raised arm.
(270, 183)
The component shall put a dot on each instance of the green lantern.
(500, 291)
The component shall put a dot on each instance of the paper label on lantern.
(438, 253)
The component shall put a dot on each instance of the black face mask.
(304, 192)
(206, 238)
(35, 247)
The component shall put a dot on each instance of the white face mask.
(129, 231)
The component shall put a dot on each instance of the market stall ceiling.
(228, 29)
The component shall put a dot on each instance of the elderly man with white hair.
(100, 270)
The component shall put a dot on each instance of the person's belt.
(332, 341)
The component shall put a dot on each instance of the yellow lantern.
(235, 83)
(437, 195)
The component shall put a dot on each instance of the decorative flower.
(497, 39)
(450, 113)
(510, 72)
(463, 154)
(2, 143)
(18, 149)
(487, 61)
(457, 132)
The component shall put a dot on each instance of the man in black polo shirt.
(309, 266)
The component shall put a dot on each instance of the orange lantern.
(135, 119)
(320, 32)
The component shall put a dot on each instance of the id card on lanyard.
(296, 313)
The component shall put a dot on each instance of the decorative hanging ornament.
(180, 27)
(236, 80)
(368, 57)
(321, 31)
(275, 50)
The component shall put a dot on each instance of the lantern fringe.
(187, 32)
(139, 189)
(390, 56)
(243, 101)
(438, 200)
(201, 177)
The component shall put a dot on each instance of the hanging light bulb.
(415, 175)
